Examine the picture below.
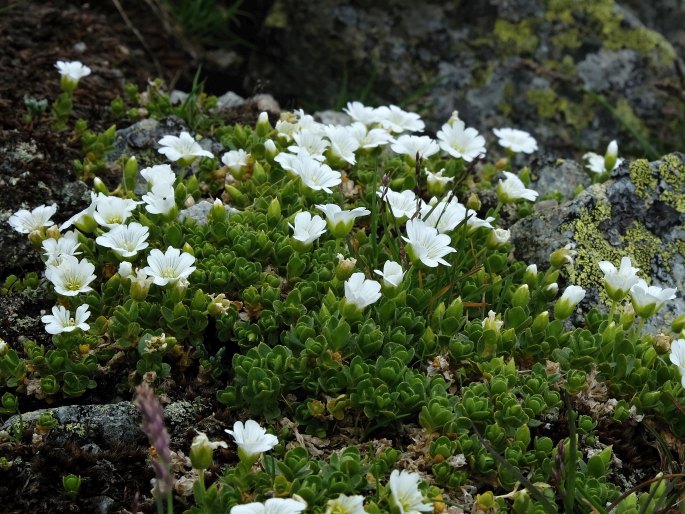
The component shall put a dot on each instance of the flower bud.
(273, 212)
(37, 237)
(678, 324)
(473, 202)
(521, 296)
(345, 267)
(270, 147)
(202, 451)
(551, 291)
(530, 276)
(217, 211)
(263, 125)
(188, 249)
(565, 306)
(497, 237)
(130, 173)
(611, 156)
(100, 187)
(562, 257)
(540, 323)
(71, 484)
(627, 318)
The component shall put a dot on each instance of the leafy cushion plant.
(337, 288)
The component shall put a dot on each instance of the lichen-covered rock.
(575, 73)
(640, 212)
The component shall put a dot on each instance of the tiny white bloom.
(286, 129)
(72, 276)
(516, 140)
(61, 321)
(512, 189)
(410, 145)
(647, 300)
(397, 120)
(604, 163)
(125, 240)
(160, 200)
(618, 282)
(444, 216)
(499, 236)
(307, 121)
(182, 146)
(426, 245)
(343, 142)
(369, 138)
(310, 143)
(402, 205)
(571, 297)
(159, 174)
(235, 160)
(459, 141)
(55, 249)
(392, 274)
(125, 269)
(73, 70)
(344, 504)
(677, 357)
(271, 506)
(202, 441)
(595, 162)
(169, 267)
(251, 438)
(437, 182)
(316, 175)
(25, 222)
(340, 222)
(406, 496)
(307, 228)
(361, 113)
(492, 322)
(111, 211)
(361, 292)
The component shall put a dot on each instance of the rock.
(200, 212)
(639, 212)
(229, 100)
(575, 74)
(332, 118)
(558, 175)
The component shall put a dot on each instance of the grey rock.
(607, 70)
(639, 212)
(562, 175)
(332, 118)
(228, 100)
(199, 212)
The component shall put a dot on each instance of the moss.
(548, 104)
(641, 176)
(545, 101)
(570, 39)
(517, 38)
(643, 41)
(642, 246)
(672, 172)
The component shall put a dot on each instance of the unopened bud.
(263, 124)
(100, 187)
(130, 174)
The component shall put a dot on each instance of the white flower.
(286, 129)
(402, 205)
(498, 237)
(444, 216)
(55, 249)
(169, 267)
(369, 138)
(125, 240)
(474, 222)
(397, 120)
(618, 282)
(343, 142)
(25, 222)
(512, 189)
(72, 276)
(251, 438)
(361, 113)
(516, 140)
(310, 143)
(307, 121)
(182, 146)
(459, 141)
(73, 70)
(235, 160)
(307, 228)
(315, 175)
(649, 299)
(361, 292)
(61, 320)
(571, 297)
(492, 322)
(426, 245)
(271, 506)
(202, 441)
(412, 145)
(392, 274)
(677, 357)
(340, 222)
(436, 182)
(406, 496)
(159, 174)
(344, 504)
(604, 163)
(111, 211)
(161, 200)
(125, 269)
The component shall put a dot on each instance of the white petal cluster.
(340, 222)
(459, 141)
(404, 487)
(402, 205)
(73, 70)
(619, 281)
(251, 438)
(677, 357)
(307, 228)
(25, 222)
(426, 245)
(235, 160)
(512, 189)
(344, 504)
(169, 267)
(343, 143)
(369, 138)
(161, 199)
(182, 146)
(55, 249)
(71, 276)
(516, 140)
(361, 113)
(79, 217)
(410, 146)
(649, 299)
(600, 163)
(392, 274)
(125, 240)
(61, 321)
(159, 174)
(309, 143)
(361, 292)
(271, 506)
(397, 120)
(111, 211)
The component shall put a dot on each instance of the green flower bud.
(273, 212)
(130, 173)
(678, 324)
(540, 323)
(100, 187)
(521, 296)
(71, 484)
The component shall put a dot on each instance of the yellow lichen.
(672, 172)
(517, 38)
(641, 176)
